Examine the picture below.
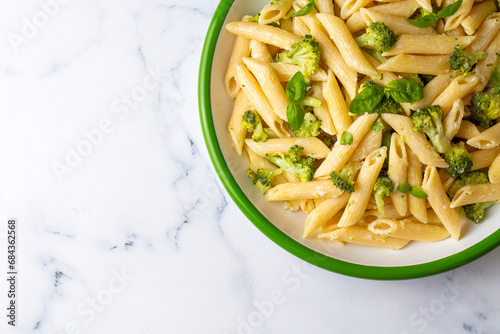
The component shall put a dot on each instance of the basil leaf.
(367, 99)
(418, 192)
(425, 21)
(377, 126)
(304, 10)
(296, 87)
(404, 188)
(346, 138)
(403, 91)
(449, 10)
(295, 115)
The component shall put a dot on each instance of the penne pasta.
(477, 15)
(458, 88)
(286, 71)
(478, 193)
(336, 104)
(241, 49)
(494, 170)
(235, 129)
(397, 173)
(396, 23)
(440, 203)
(313, 147)
(417, 206)
(370, 142)
(408, 229)
(467, 130)
(428, 44)
(324, 212)
(362, 236)
(452, 121)
(486, 139)
(274, 11)
(433, 65)
(484, 158)
(303, 190)
(264, 33)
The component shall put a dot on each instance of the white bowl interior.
(293, 223)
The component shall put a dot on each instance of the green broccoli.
(276, 3)
(428, 120)
(377, 36)
(485, 108)
(376, 55)
(301, 167)
(459, 159)
(328, 141)
(254, 18)
(386, 106)
(344, 180)
(415, 78)
(306, 54)
(426, 78)
(386, 141)
(310, 126)
(262, 179)
(383, 187)
(463, 61)
(474, 212)
(252, 123)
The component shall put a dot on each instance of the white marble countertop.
(123, 226)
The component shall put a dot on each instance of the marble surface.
(123, 226)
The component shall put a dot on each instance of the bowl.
(418, 259)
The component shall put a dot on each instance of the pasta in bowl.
(350, 134)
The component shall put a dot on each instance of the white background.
(123, 225)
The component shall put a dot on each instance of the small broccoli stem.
(440, 143)
(363, 41)
(379, 200)
(310, 101)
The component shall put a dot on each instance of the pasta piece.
(235, 129)
(396, 23)
(458, 88)
(494, 171)
(270, 84)
(264, 33)
(417, 206)
(351, 6)
(408, 229)
(452, 121)
(257, 98)
(467, 130)
(345, 42)
(484, 158)
(347, 76)
(425, 4)
(325, 211)
(486, 139)
(485, 33)
(434, 65)
(477, 15)
(478, 193)
(241, 48)
(325, 6)
(397, 173)
(362, 236)
(322, 112)
(313, 147)
(259, 50)
(432, 90)
(454, 20)
(440, 203)
(416, 141)
(363, 187)
(340, 154)
(428, 44)
(337, 106)
(371, 141)
(303, 190)
(273, 12)
(286, 71)
(485, 66)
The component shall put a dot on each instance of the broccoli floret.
(463, 61)
(306, 54)
(386, 141)
(386, 106)
(310, 126)
(276, 3)
(252, 123)
(426, 78)
(474, 212)
(376, 55)
(377, 36)
(328, 141)
(485, 108)
(301, 167)
(424, 12)
(471, 178)
(459, 159)
(415, 78)
(262, 179)
(254, 18)
(345, 179)
(428, 120)
(383, 187)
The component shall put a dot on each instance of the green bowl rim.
(268, 228)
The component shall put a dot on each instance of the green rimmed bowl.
(285, 228)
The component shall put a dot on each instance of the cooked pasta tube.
(440, 203)
(487, 139)
(303, 190)
(478, 193)
(397, 173)
(362, 236)
(408, 229)
(313, 147)
(363, 187)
